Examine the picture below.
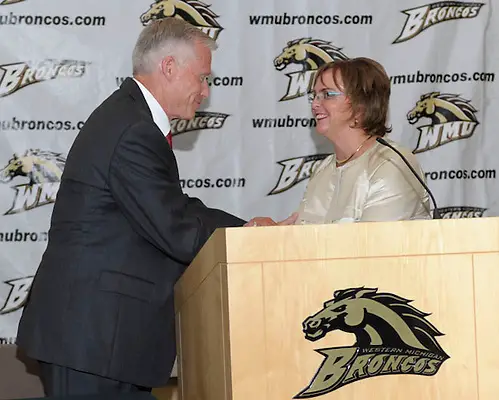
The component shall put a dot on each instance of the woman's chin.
(322, 127)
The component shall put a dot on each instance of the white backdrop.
(250, 151)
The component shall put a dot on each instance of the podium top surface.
(366, 239)
(342, 241)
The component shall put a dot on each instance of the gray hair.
(166, 37)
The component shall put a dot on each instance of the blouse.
(377, 186)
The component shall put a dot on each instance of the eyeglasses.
(323, 95)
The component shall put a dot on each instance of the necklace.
(342, 162)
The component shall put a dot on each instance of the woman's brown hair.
(367, 85)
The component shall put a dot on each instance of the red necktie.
(169, 139)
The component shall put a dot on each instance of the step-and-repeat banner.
(252, 147)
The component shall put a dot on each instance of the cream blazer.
(377, 186)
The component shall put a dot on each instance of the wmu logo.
(18, 75)
(296, 170)
(7, 2)
(19, 290)
(461, 212)
(42, 170)
(392, 338)
(202, 120)
(421, 18)
(310, 54)
(195, 12)
(452, 118)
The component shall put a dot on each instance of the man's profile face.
(192, 82)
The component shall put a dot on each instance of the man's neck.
(156, 90)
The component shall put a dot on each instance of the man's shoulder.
(97, 140)
(121, 108)
(111, 119)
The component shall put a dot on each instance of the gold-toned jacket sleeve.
(378, 186)
(395, 194)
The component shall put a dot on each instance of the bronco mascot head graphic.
(195, 12)
(391, 337)
(452, 118)
(309, 54)
(7, 2)
(42, 170)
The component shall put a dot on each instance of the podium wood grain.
(241, 304)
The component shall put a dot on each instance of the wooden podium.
(395, 310)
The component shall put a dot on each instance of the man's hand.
(266, 221)
(261, 221)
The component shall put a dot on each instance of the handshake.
(266, 221)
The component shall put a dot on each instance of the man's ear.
(168, 67)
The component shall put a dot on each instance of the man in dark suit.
(100, 315)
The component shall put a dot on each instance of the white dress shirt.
(158, 114)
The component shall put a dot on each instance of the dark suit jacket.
(122, 232)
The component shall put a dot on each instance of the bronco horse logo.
(452, 118)
(310, 54)
(391, 337)
(7, 2)
(43, 169)
(195, 12)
